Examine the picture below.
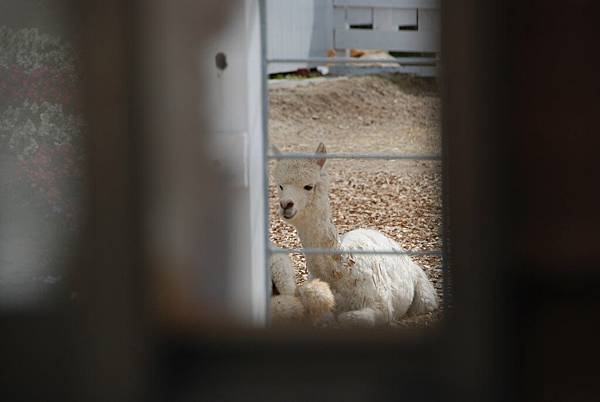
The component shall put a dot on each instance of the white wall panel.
(298, 29)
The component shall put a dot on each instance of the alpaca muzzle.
(288, 213)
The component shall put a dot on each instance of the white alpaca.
(369, 290)
(309, 303)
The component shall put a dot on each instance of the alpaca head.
(302, 186)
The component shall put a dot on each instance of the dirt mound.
(389, 113)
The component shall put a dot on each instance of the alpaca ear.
(321, 150)
(275, 151)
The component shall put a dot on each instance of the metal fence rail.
(413, 253)
(369, 156)
(406, 61)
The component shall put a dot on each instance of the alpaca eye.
(280, 187)
(308, 188)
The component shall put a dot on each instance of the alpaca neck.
(318, 231)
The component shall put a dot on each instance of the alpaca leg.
(425, 298)
(365, 317)
(328, 320)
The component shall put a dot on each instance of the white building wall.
(237, 144)
(298, 29)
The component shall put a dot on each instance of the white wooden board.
(429, 20)
(403, 41)
(360, 16)
(411, 4)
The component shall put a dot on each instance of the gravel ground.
(383, 114)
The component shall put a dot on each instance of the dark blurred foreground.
(521, 101)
